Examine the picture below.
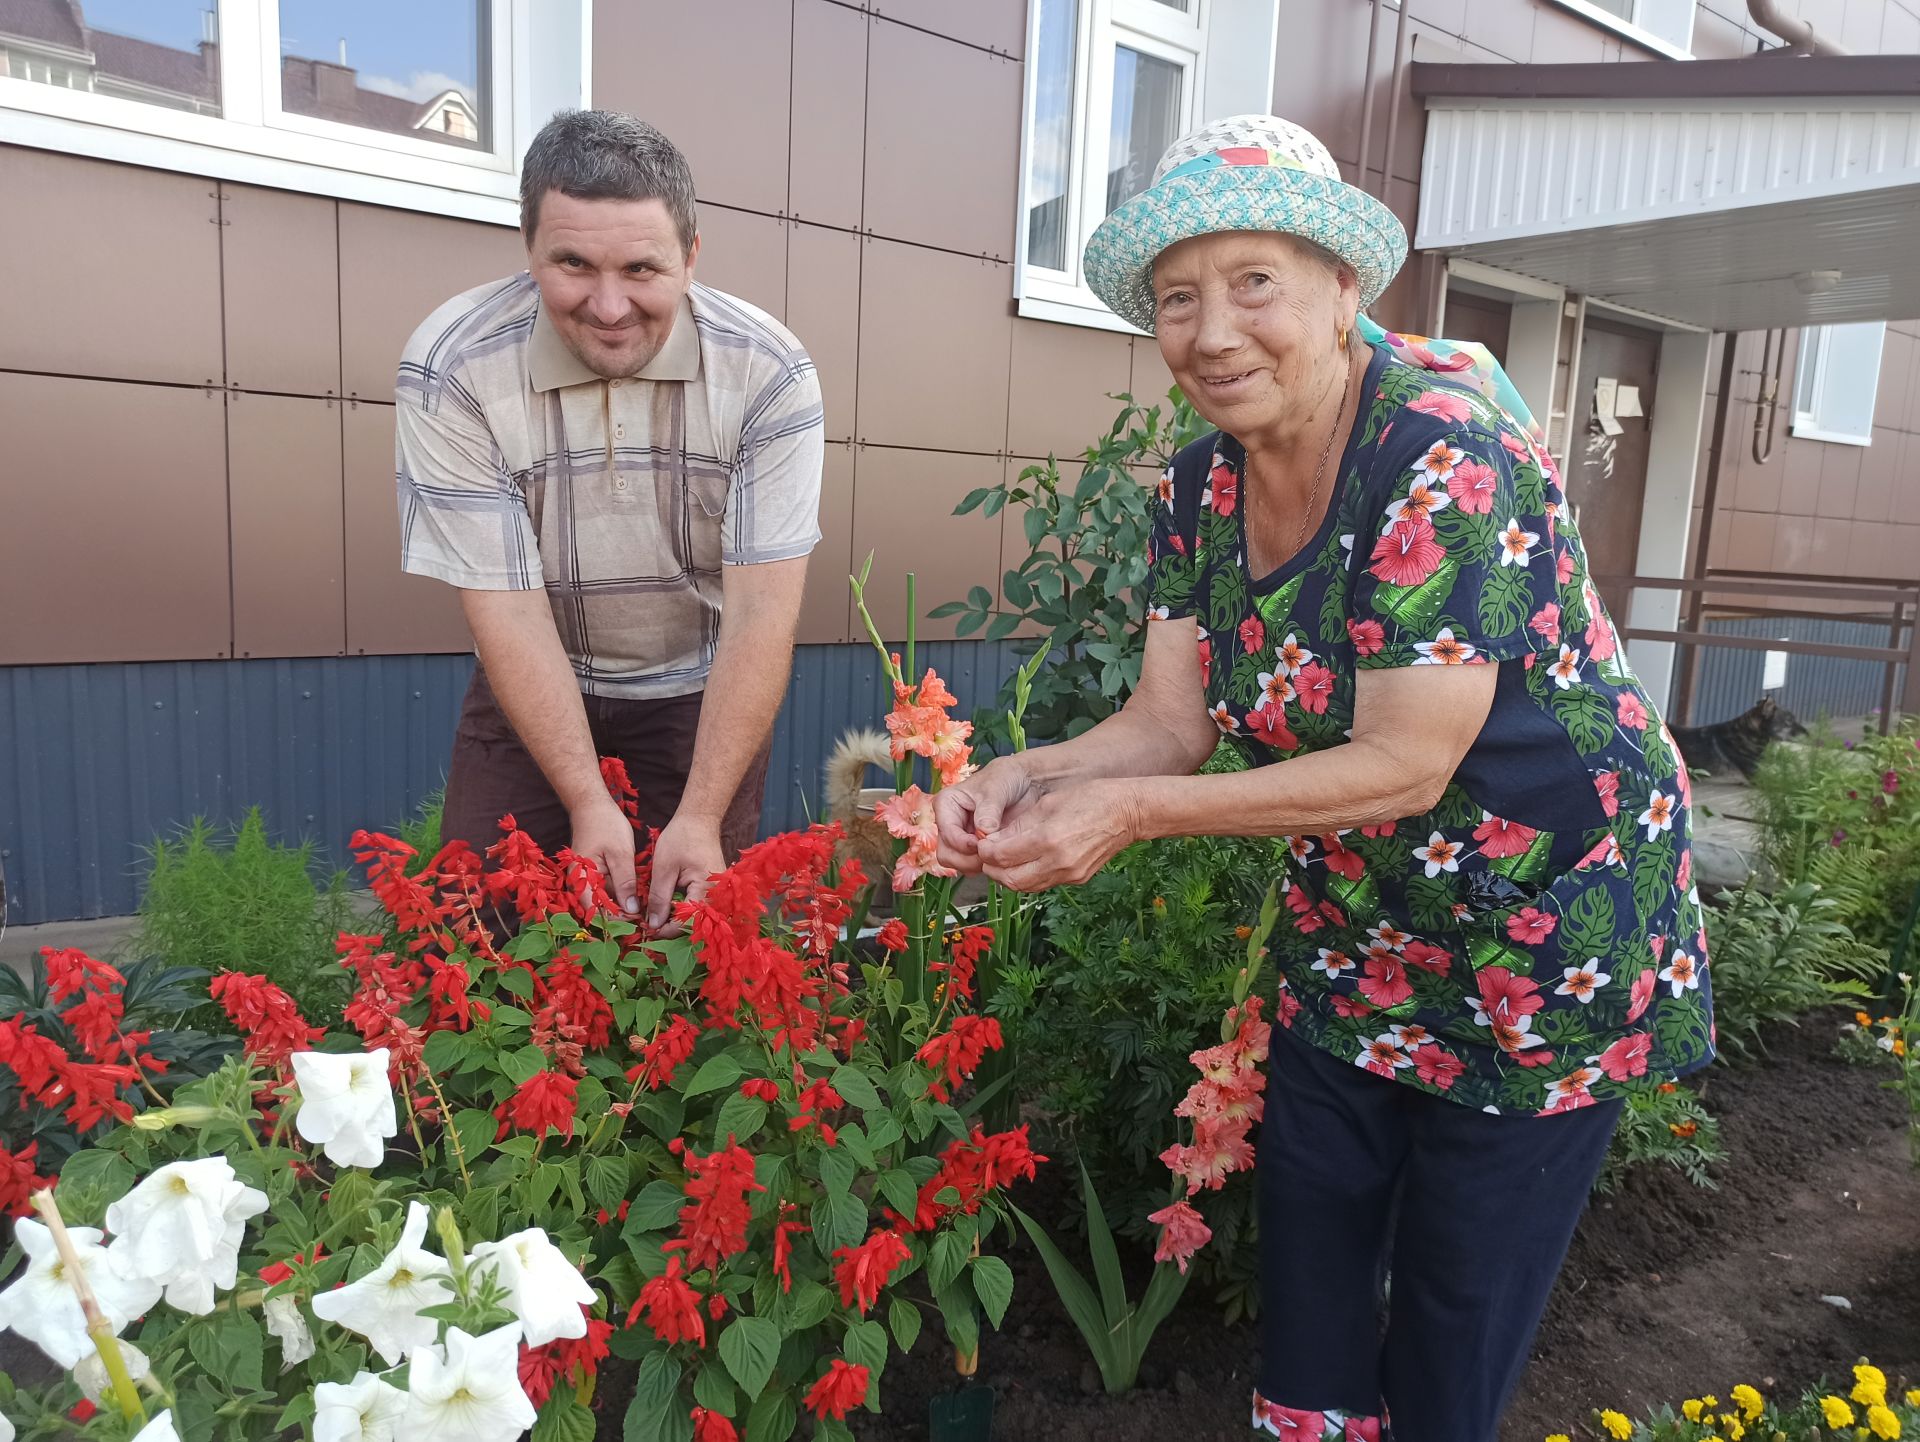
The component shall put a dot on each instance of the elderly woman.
(1370, 583)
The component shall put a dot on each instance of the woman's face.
(1249, 323)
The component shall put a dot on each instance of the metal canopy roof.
(1717, 194)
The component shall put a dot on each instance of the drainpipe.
(1368, 92)
(1400, 48)
(1797, 35)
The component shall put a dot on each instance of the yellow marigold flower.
(1837, 1413)
(1709, 1401)
(1749, 1401)
(1692, 1408)
(1618, 1427)
(1882, 1423)
(1559, 1437)
(1862, 1018)
(1913, 1396)
(1731, 1424)
(1899, 1047)
(1869, 1386)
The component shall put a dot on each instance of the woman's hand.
(996, 795)
(1062, 838)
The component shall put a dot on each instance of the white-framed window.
(1110, 84)
(1836, 382)
(427, 105)
(1662, 26)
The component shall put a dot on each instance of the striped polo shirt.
(520, 468)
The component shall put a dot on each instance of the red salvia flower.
(671, 1308)
(545, 1102)
(843, 1388)
(864, 1270)
(453, 1009)
(268, 1020)
(958, 1052)
(893, 936)
(71, 972)
(19, 1181)
(761, 1089)
(279, 1272)
(31, 1057)
(665, 1054)
(713, 1224)
(783, 1232)
(968, 945)
(712, 1427)
(90, 1091)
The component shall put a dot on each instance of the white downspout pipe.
(1798, 35)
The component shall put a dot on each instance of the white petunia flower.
(346, 1104)
(384, 1306)
(283, 1319)
(544, 1290)
(90, 1373)
(366, 1409)
(469, 1390)
(6, 1428)
(181, 1229)
(41, 1305)
(160, 1429)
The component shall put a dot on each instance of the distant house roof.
(327, 91)
(56, 22)
(162, 67)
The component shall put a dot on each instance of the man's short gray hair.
(605, 155)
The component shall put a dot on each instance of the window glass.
(1837, 381)
(417, 69)
(159, 52)
(1050, 149)
(1146, 118)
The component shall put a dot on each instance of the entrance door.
(1606, 475)
(1474, 317)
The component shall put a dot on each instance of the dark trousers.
(1468, 1213)
(493, 774)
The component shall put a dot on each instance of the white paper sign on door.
(1606, 392)
(1627, 402)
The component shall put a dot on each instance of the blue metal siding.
(1816, 686)
(99, 759)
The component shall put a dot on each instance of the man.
(620, 471)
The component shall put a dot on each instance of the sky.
(416, 49)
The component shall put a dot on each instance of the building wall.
(196, 391)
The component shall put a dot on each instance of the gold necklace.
(1319, 472)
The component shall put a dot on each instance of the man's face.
(611, 275)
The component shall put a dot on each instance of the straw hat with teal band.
(1247, 172)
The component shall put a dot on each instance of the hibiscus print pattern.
(1473, 952)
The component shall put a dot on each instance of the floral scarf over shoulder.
(1534, 942)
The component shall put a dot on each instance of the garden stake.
(966, 1413)
(125, 1396)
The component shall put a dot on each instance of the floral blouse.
(1534, 942)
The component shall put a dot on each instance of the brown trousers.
(493, 774)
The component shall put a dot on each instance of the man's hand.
(603, 834)
(994, 796)
(1060, 839)
(685, 858)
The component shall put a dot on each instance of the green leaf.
(750, 1346)
(655, 1412)
(713, 1389)
(299, 1410)
(529, 1061)
(963, 1323)
(563, 1419)
(808, 1306)
(904, 1320)
(657, 1206)
(837, 1170)
(972, 500)
(1075, 1295)
(858, 1088)
(517, 981)
(1106, 1258)
(866, 1346)
(1504, 597)
(1587, 717)
(772, 1418)
(740, 1117)
(606, 1179)
(716, 1073)
(853, 1140)
(993, 1285)
(900, 1191)
(838, 1221)
(948, 1260)
(445, 1048)
(882, 1132)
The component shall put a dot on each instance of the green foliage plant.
(1665, 1127)
(243, 902)
(1778, 957)
(1077, 592)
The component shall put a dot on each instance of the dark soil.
(1669, 1291)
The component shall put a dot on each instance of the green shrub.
(1777, 958)
(1664, 1127)
(246, 903)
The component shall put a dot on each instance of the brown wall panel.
(389, 613)
(996, 24)
(1563, 38)
(903, 514)
(823, 310)
(281, 265)
(954, 185)
(1062, 378)
(112, 270)
(396, 269)
(829, 113)
(745, 255)
(1151, 379)
(826, 609)
(283, 480)
(118, 510)
(934, 336)
(1322, 42)
(712, 74)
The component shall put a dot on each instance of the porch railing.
(1895, 601)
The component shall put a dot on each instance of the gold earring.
(1343, 338)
